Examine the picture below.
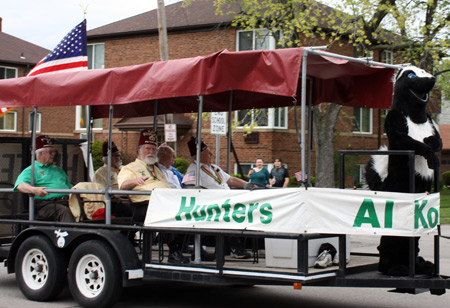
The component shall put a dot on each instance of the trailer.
(97, 260)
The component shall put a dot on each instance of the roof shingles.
(13, 48)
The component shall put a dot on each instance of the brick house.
(17, 57)
(197, 31)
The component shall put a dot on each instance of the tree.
(416, 30)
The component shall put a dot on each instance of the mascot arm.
(435, 141)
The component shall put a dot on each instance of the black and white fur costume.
(408, 127)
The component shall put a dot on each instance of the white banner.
(296, 210)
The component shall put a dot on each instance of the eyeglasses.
(50, 151)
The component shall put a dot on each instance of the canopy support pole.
(89, 141)
(33, 158)
(310, 128)
(303, 111)
(155, 116)
(198, 245)
(108, 181)
(230, 108)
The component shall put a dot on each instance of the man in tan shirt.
(143, 174)
(120, 205)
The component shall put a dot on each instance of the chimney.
(0, 24)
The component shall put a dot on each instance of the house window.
(358, 177)
(96, 60)
(264, 117)
(388, 57)
(96, 56)
(81, 119)
(259, 39)
(8, 123)
(8, 72)
(362, 118)
(38, 122)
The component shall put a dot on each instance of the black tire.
(41, 269)
(95, 275)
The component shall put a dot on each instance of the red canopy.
(258, 79)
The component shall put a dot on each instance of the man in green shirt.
(46, 175)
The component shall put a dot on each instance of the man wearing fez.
(119, 207)
(213, 177)
(143, 174)
(101, 175)
(48, 206)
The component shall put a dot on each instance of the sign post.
(218, 128)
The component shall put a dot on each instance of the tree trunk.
(325, 117)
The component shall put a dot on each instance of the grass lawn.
(445, 206)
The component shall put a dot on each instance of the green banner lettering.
(369, 207)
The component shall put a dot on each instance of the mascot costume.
(408, 127)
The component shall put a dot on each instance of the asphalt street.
(171, 295)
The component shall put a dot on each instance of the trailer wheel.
(40, 269)
(95, 275)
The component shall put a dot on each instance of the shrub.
(97, 154)
(445, 179)
(239, 176)
(181, 164)
(294, 183)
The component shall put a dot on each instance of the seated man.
(48, 206)
(166, 159)
(120, 207)
(144, 175)
(213, 177)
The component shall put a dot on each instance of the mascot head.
(411, 92)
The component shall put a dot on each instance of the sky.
(46, 22)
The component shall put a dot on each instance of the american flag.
(69, 55)
(5, 110)
(188, 177)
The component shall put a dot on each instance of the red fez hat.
(114, 149)
(193, 146)
(148, 136)
(43, 141)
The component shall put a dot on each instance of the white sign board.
(219, 123)
(170, 132)
(296, 210)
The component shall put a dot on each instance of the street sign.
(219, 123)
(170, 132)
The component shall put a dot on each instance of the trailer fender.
(69, 238)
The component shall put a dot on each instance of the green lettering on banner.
(202, 215)
(418, 215)
(185, 209)
(388, 213)
(211, 208)
(251, 209)
(369, 207)
(239, 209)
(432, 222)
(265, 210)
(226, 206)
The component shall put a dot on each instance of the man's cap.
(43, 141)
(114, 149)
(148, 136)
(193, 147)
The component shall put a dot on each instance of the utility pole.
(163, 46)
(162, 30)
